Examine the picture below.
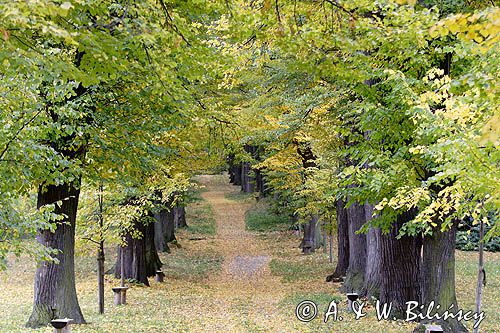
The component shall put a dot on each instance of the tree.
(89, 68)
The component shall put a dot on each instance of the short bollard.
(61, 325)
(433, 328)
(159, 276)
(120, 295)
(351, 297)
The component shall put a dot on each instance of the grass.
(240, 196)
(190, 267)
(261, 218)
(200, 219)
(300, 268)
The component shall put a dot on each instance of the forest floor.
(225, 278)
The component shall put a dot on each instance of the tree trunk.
(100, 255)
(342, 243)
(261, 184)
(160, 243)
(139, 255)
(134, 260)
(237, 174)
(169, 226)
(164, 229)
(357, 249)
(153, 262)
(247, 179)
(323, 232)
(373, 258)
(481, 274)
(318, 238)
(231, 169)
(308, 242)
(399, 267)
(438, 275)
(55, 292)
(180, 217)
(100, 277)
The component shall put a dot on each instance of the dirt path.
(244, 258)
(249, 293)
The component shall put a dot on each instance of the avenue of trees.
(379, 118)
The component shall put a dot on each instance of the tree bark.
(399, 267)
(438, 274)
(308, 162)
(237, 174)
(164, 229)
(231, 169)
(100, 255)
(481, 274)
(308, 244)
(260, 184)
(318, 238)
(139, 255)
(55, 292)
(100, 277)
(169, 226)
(160, 243)
(342, 244)
(247, 179)
(134, 260)
(357, 249)
(180, 217)
(153, 262)
(373, 258)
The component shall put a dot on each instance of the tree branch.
(17, 133)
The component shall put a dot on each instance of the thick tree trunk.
(399, 267)
(438, 275)
(237, 174)
(160, 243)
(342, 243)
(247, 179)
(164, 229)
(134, 260)
(373, 258)
(318, 238)
(180, 217)
(259, 182)
(55, 292)
(354, 281)
(308, 242)
(139, 255)
(153, 262)
(169, 226)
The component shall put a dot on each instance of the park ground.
(225, 278)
